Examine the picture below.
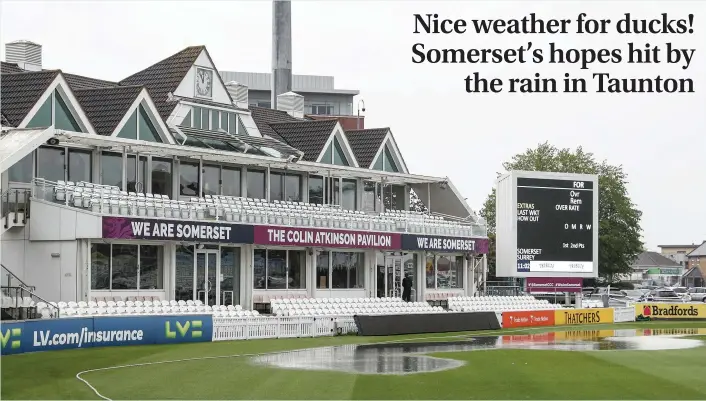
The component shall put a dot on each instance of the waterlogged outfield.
(500, 374)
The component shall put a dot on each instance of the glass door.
(393, 276)
(206, 269)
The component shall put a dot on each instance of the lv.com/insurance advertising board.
(46, 335)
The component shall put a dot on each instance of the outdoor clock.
(204, 82)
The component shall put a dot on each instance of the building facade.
(163, 185)
(654, 269)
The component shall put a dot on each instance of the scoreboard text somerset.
(547, 225)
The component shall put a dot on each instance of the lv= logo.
(182, 330)
(9, 334)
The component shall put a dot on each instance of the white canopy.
(16, 143)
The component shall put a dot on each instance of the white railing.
(225, 329)
(110, 200)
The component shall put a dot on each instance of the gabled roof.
(164, 77)
(263, 117)
(77, 82)
(10, 68)
(365, 144)
(21, 91)
(307, 136)
(106, 107)
(693, 272)
(699, 251)
(653, 259)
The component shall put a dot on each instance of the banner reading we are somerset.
(175, 230)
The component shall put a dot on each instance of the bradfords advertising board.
(274, 235)
(175, 230)
(411, 242)
(549, 284)
(656, 311)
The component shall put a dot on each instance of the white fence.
(621, 315)
(280, 327)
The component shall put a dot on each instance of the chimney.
(281, 49)
(27, 55)
(292, 103)
(239, 93)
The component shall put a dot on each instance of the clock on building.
(204, 82)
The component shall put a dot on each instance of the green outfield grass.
(498, 374)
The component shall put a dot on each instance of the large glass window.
(285, 187)
(184, 275)
(80, 165)
(230, 181)
(232, 128)
(197, 117)
(63, 119)
(43, 117)
(215, 120)
(390, 164)
(151, 276)
(211, 180)
(345, 269)
(259, 269)
(370, 203)
(348, 195)
(147, 131)
(316, 190)
(22, 170)
(50, 163)
(162, 177)
(276, 187)
(256, 184)
(444, 271)
(188, 179)
(100, 266)
(394, 197)
(136, 173)
(276, 270)
(129, 130)
(296, 269)
(112, 169)
(339, 157)
(323, 260)
(123, 266)
(279, 269)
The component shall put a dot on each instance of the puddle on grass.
(407, 357)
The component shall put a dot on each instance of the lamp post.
(357, 122)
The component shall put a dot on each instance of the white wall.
(51, 222)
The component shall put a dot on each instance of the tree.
(619, 240)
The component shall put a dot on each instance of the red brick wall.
(347, 122)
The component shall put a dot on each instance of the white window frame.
(110, 264)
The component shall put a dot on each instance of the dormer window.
(55, 112)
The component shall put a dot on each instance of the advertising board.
(528, 318)
(583, 316)
(56, 334)
(666, 311)
(176, 230)
(554, 284)
(547, 225)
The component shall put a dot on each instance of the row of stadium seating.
(349, 307)
(216, 310)
(499, 304)
(111, 200)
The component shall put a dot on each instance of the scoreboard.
(547, 225)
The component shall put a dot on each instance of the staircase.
(14, 208)
(19, 301)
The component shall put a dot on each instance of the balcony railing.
(111, 200)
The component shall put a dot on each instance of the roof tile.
(307, 136)
(264, 117)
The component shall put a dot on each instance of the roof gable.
(164, 77)
(220, 96)
(21, 91)
(77, 82)
(308, 136)
(699, 251)
(365, 144)
(106, 107)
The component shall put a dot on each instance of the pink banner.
(554, 284)
(324, 238)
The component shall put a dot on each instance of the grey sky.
(441, 130)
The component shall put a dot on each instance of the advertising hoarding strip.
(573, 317)
(667, 311)
(56, 334)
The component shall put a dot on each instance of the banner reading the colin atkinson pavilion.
(175, 230)
(292, 236)
(412, 242)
